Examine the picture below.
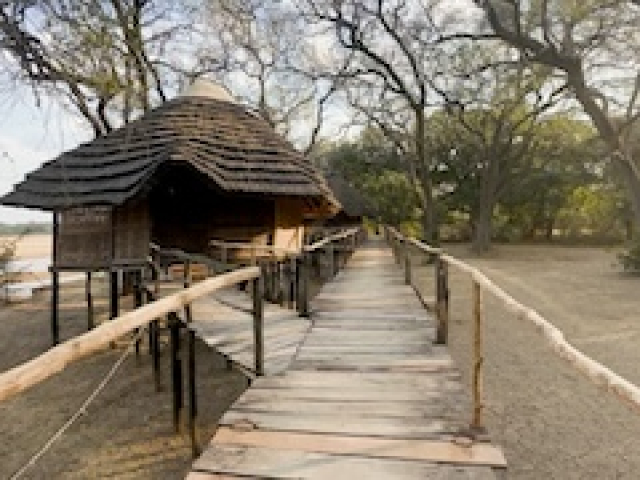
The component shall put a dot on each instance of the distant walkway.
(367, 394)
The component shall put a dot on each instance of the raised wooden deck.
(366, 394)
(224, 322)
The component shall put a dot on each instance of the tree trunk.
(481, 241)
(429, 218)
(429, 221)
(483, 221)
(632, 183)
(549, 229)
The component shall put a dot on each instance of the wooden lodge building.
(198, 168)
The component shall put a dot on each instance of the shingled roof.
(236, 149)
(354, 203)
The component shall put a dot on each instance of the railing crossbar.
(597, 373)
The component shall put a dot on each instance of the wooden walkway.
(365, 395)
(225, 323)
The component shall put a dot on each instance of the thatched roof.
(354, 203)
(237, 150)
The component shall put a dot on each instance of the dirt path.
(551, 421)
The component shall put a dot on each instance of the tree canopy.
(492, 119)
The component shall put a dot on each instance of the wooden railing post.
(396, 248)
(331, 261)
(154, 349)
(138, 301)
(442, 300)
(55, 307)
(303, 289)
(264, 271)
(478, 358)
(193, 406)
(114, 308)
(258, 324)
(187, 284)
(407, 262)
(176, 371)
(90, 314)
(186, 274)
(265, 268)
(281, 278)
(291, 282)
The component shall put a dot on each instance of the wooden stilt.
(55, 305)
(55, 286)
(154, 337)
(187, 284)
(90, 318)
(138, 301)
(113, 294)
(193, 405)
(176, 372)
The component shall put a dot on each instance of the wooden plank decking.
(225, 323)
(366, 395)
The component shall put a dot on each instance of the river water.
(32, 265)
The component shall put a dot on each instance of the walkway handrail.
(593, 370)
(59, 357)
(351, 232)
(335, 257)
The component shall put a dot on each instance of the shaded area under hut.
(197, 169)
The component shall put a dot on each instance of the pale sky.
(29, 136)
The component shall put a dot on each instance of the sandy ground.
(127, 433)
(552, 422)
(33, 246)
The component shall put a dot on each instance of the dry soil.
(552, 422)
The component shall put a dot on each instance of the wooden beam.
(407, 449)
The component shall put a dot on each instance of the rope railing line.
(59, 357)
(82, 410)
(596, 372)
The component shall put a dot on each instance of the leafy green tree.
(591, 47)
(564, 156)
